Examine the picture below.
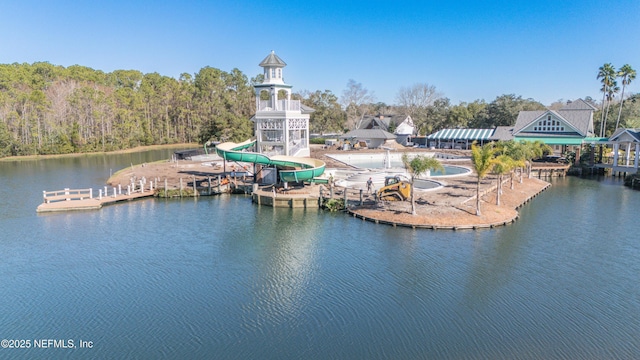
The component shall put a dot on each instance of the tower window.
(273, 73)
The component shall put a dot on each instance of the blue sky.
(545, 50)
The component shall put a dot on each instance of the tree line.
(49, 109)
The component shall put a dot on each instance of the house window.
(535, 128)
(279, 73)
(549, 117)
(563, 128)
(273, 73)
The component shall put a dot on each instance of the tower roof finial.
(273, 60)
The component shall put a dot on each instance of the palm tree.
(628, 74)
(502, 165)
(611, 94)
(417, 166)
(482, 160)
(607, 74)
(534, 150)
(516, 151)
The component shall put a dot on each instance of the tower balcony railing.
(280, 105)
(296, 146)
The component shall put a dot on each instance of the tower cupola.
(272, 66)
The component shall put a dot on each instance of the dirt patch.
(457, 208)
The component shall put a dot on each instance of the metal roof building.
(459, 138)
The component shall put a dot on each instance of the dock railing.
(67, 195)
(85, 194)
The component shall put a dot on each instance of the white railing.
(280, 105)
(67, 195)
(85, 194)
(297, 147)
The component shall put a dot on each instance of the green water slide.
(292, 168)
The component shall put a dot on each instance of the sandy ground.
(452, 205)
(456, 205)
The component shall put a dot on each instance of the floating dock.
(82, 199)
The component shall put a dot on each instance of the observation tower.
(281, 124)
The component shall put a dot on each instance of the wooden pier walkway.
(543, 172)
(83, 199)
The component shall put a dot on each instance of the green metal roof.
(553, 140)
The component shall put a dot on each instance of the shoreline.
(457, 217)
(450, 207)
(123, 151)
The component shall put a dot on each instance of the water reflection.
(190, 278)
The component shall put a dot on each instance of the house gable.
(406, 127)
(579, 105)
(549, 123)
(403, 123)
(374, 122)
(576, 118)
(626, 135)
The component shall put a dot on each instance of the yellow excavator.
(394, 189)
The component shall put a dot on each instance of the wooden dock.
(83, 199)
(543, 172)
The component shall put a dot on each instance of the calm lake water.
(222, 278)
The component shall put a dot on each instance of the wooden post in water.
(209, 182)
(346, 198)
(361, 198)
(194, 186)
(219, 185)
(331, 191)
(180, 187)
(321, 196)
(165, 188)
